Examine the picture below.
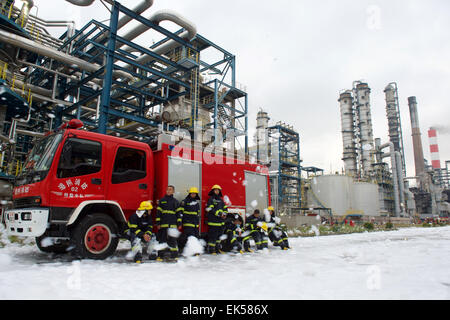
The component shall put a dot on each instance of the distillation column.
(394, 121)
(366, 140)
(348, 133)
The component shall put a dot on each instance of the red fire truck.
(78, 188)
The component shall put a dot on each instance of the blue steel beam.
(107, 83)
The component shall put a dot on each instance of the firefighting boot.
(153, 255)
(138, 257)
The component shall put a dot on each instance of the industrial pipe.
(30, 133)
(81, 3)
(157, 18)
(394, 175)
(25, 13)
(140, 8)
(400, 176)
(35, 47)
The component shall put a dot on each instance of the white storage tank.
(366, 198)
(334, 192)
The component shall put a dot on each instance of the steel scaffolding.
(117, 86)
(287, 179)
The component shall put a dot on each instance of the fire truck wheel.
(95, 237)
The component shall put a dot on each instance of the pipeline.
(35, 47)
(394, 175)
(22, 20)
(157, 18)
(400, 175)
(139, 9)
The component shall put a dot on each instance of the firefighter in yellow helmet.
(190, 210)
(217, 212)
(140, 226)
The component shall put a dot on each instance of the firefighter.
(168, 223)
(190, 211)
(233, 231)
(217, 212)
(276, 234)
(140, 226)
(256, 228)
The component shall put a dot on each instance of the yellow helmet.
(216, 186)
(193, 190)
(145, 205)
(270, 208)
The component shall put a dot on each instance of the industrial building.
(368, 176)
(278, 146)
(102, 76)
(116, 86)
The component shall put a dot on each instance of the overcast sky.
(295, 57)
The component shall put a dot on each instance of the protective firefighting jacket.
(190, 210)
(168, 213)
(216, 207)
(251, 223)
(138, 226)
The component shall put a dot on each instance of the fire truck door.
(129, 181)
(80, 173)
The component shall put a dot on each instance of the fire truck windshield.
(40, 160)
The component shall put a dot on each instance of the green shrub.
(369, 226)
(389, 225)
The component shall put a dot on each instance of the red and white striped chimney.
(434, 149)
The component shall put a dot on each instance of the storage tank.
(334, 192)
(343, 195)
(366, 198)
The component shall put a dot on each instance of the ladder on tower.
(195, 95)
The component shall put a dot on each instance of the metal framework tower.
(287, 180)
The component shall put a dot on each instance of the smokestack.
(434, 149)
(416, 136)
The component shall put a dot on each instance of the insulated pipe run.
(157, 18)
(139, 9)
(30, 133)
(35, 47)
(394, 174)
(400, 175)
(25, 13)
(84, 3)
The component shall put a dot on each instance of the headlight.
(26, 216)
